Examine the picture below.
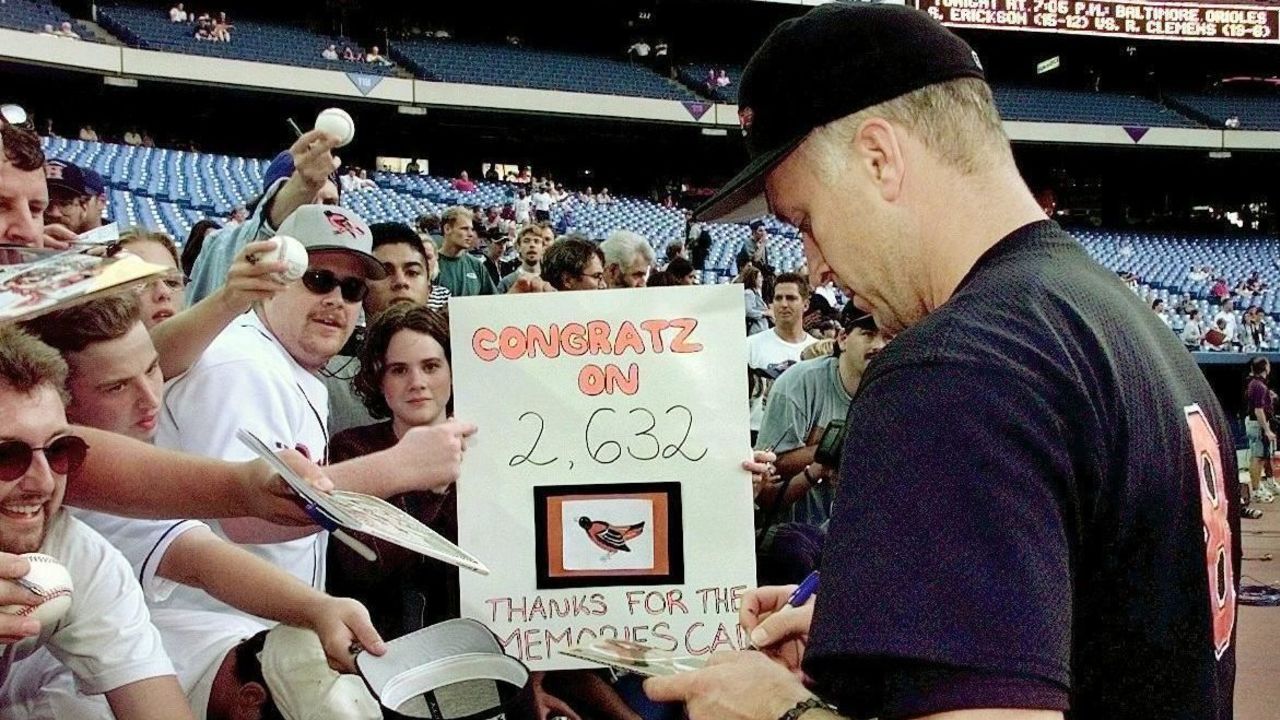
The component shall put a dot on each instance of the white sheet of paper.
(660, 416)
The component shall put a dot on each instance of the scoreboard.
(1147, 19)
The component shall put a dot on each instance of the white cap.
(302, 684)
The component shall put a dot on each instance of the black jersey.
(1037, 507)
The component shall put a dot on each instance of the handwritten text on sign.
(604, 489)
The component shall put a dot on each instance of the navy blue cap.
(62, 175)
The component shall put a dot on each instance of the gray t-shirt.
(808, 396)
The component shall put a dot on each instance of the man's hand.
(313, 161)
(548, 706)
(821, 472)
(529, 284)
(13, 627)
(777, 629)
(268, 497)
(343, 624)
(733, 686)
(437, 450)
(250, 282)
(58, 237)
(762, 470)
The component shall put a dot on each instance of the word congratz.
(597, 337)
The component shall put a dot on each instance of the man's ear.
(249, 701)
(879, 152)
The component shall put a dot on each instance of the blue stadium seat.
(505, 65)
(1255, 113)
(149, 28)
(33, 15)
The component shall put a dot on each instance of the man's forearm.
(183, 338)
(292, 195)
(1261, 416)
(795, 461)
(238, 578)
(131, 478)
(157, 698)
(382, 475)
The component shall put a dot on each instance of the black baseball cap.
(831, 62)
(851, 318)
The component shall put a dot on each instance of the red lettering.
(573, 338)
(478, 340)
(655, 328)
(662, 631)
(513, 638)
(511, 342)
(628, 339)
(591, 380)
(681, 344)
(688, 640)
(598, 338)
(538, 341)
(531, 641)
(628, 384)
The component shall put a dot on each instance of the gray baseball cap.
(333, 228)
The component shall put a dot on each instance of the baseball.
(336, 122)
(50, 580)
(292, 252)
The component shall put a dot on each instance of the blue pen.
(804, 591)
(799, 596)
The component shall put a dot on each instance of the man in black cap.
(77, 197)
(1035, 514)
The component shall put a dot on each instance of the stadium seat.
(149, 28)
(505, 65)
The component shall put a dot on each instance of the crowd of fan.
(205, 26)
(1227, 330)
(219, 343)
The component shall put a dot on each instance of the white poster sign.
(604, 489)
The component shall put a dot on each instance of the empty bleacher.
(1254, 112)
(504, 65)
(1047, 105)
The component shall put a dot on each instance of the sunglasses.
(64, 455)
(175, 281)
(322, 282)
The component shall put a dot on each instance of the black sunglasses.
(64, 455)
(322, 282)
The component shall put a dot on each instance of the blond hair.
(454, 215)
(140, 234)
(956, 120)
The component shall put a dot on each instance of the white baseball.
(336, 122)
(292, 253)
(50, 580)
